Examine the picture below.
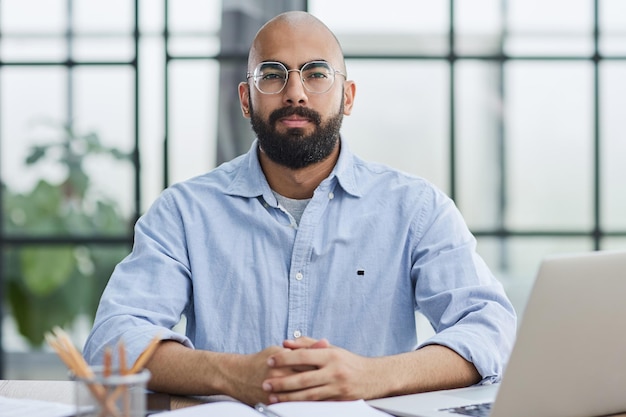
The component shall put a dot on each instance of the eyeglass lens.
(271, 77)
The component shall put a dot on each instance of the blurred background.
(515, 108)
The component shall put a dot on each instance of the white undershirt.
(292, 206)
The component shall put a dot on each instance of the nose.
(294, 92)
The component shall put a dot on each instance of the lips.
(295, 121)
(295, 116)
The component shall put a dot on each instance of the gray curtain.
(241, 19)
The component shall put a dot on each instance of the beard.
(294, 149)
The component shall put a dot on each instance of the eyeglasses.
(271, 77)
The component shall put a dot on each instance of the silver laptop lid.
(570, 355)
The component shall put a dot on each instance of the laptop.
(569, 358)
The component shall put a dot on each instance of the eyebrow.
(303, 64)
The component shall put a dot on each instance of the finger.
(317, 393)
(296, 382)
(297, 358)
(285, 370)
(281, 372)
(299, 343)
(306, 343)
(322, 343)
(303, 368)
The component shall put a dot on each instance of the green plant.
(52, 284)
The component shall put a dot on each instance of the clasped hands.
(309, 370)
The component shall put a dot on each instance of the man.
(298, 266)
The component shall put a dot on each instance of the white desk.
(63, 392)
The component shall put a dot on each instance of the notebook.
(569, 358)
(22, 407)
(356, 408)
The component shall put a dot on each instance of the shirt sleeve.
(456, 291)
(149, 290)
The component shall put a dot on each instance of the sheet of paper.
(19, 407)
(289, 409)
(357, 408)
(220, 408)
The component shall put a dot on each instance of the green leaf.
(93, 143)
(78, 183)
(37, 152)
(45, 199)
(107, 219)
(117, 154)
(36, 315)
(45, 269)
(11, 258)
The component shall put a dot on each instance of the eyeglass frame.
(298, 70)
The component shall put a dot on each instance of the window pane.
(478, 114)
(614, 243)
(612, 24)
(151, 119)
(205, 45)
(33, 16)
(193, 117)
(151, 16)
(104, 106)
(515, 262)
(478, 26)
(195, 16)
(110, 48)
(556, 27)
(613, 145)
(398, 123)
(112, 16)
(549, 141)
(33, 49)
(33, 108)
(421, 27)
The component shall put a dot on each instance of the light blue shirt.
(373, 246)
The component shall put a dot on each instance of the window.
(514, 108)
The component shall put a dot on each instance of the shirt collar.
(345, 170)
(250, 180)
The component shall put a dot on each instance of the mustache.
(298, 111)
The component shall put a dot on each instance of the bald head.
(291, 27)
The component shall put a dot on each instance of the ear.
(349, 91)
(244, 99)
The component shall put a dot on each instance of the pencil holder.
(114, 395)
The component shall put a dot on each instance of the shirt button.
(331, 195)
(299, 276)
(297, 334)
